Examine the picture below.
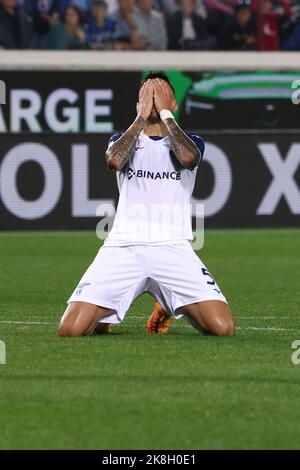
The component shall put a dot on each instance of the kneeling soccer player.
(148, 248)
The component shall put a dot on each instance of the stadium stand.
(241, 25)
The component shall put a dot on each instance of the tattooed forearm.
(121, 150)
(183, 147)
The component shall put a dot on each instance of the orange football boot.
(159, 321)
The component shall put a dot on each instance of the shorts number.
(206, 273)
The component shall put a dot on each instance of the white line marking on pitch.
(268, 328)
(26, 322)
(272, 328)
(141, 317)
(263, 318)
(238, 317)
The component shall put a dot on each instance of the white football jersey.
(155, 195)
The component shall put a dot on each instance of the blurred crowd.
(267, 25)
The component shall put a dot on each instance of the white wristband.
(166, 114)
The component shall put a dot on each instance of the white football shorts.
(173, 274)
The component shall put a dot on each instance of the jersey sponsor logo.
(154, 175)
(130, 173)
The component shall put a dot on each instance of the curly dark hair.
(157, 74)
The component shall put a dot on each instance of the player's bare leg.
(159, 321)
(213, 317)
(80, 319)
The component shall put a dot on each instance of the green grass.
(132, 391)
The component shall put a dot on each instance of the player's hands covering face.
(146, 100)
(163, 96)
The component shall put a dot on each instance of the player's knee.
(225, 328)
(67, 329)
(63, 330)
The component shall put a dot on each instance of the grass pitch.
(132, 391)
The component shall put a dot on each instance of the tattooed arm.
(120, 151)
(184, 148)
